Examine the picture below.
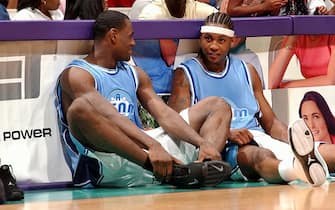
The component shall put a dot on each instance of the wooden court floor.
(268, 197)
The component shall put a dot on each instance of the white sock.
(286, 169)
(320, 158)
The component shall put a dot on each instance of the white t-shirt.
(137, 8)
(194, 10)
(36, 14)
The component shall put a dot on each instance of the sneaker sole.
(302, 144)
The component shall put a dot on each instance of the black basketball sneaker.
(200, 174)
(12, 191)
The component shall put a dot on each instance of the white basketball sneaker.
(302, 144)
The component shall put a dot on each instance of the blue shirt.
(233, 84)
(3, 13)
(147, 55)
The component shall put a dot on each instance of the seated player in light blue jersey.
(97, 102)
(253, 149)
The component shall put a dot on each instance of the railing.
(82, 30)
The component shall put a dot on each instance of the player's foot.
(302, 144)
(12, 191)
(200, 174)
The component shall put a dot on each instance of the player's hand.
(208, 151)
(162, 162)
(240, 136)
(273, 5)
(321, 10)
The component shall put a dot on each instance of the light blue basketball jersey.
(233, 84)
(119, 87)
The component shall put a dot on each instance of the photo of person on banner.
(316, 56)
(316, 112)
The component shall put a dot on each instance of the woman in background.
(318, 116)
(84, 9)
(38, 10)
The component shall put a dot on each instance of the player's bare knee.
(219, 104)
(78, 110)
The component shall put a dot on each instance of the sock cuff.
(286, 169)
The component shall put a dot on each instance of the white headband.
(217, 30)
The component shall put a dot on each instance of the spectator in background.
(157, 57)
(252, 7)
(62, 6)
(3, 10)
(137, 7)
(84, 9)
(318, 117)
(38, 10)
(272, 7)
(330, 6)
(120, 3)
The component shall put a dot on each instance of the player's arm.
(78, 83)
(167, 118)
(180, 98)
(270, 123)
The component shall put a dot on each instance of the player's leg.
(211, 118)
(256, 162)
(251, 162)
(290, 168)
(95, 131)
(327, 152)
